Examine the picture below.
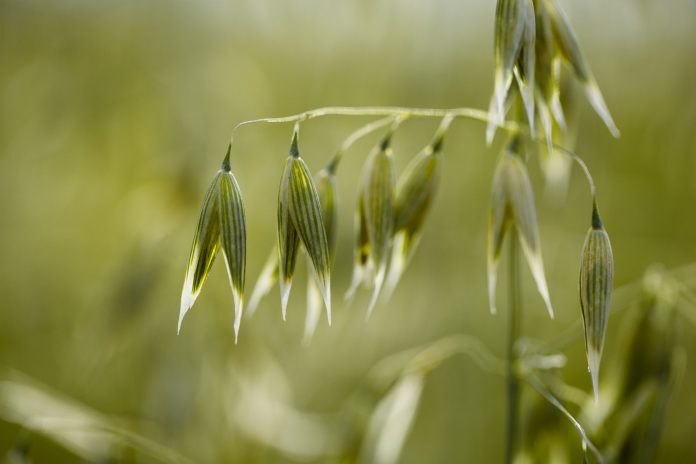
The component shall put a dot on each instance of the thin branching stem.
(363, 131)
(434, 354)
(514, 313)
(583, 166)
(394, 111)
(401, 112)
(539, 386)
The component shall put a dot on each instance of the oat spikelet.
(221, 225)
(300, 219)
(233, 237)
(325, 182)
(378, 211)
(514, 57)
(569, 49)
(595, 284)
(415, 192)
(512, 204)
(206, 242)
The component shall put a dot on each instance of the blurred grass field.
(115, 115)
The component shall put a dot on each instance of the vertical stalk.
(514, 302)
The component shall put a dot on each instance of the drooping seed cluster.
(533, 39)
(389, 222)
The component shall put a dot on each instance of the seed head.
(415, 192)
(221, 225)
(532, 38)
(326, 190)
(514, 55)
(547, 63)
(375, 218)
(596, 280)
(512, 204)
(569, 49)
(363, 266)
(300, 220)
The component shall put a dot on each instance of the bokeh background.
(114, 116)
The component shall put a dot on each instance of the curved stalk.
(398, 111)
(551, 398)
(401, 112)
(354, 137)
(581, 163)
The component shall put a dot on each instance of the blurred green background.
(114, 116)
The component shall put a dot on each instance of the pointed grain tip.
(186, 304)
(226, 162)
(325, 291)
(386, 142)
(294, 150)
(593, 360)
(549, 308)
(373, 302)
(181, 320)
(596, 219)
(237, 321)
(596, 99)
(492, 281)
(284, 296)
(327, 303)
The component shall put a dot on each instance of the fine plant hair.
(534, 49)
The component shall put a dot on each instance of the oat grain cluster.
(534, 48)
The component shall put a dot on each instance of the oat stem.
(402, 112)
(551, 398)
(514, 312)
(354, 137)
(397, 111)
(583, 166)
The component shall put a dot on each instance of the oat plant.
(535, 49)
